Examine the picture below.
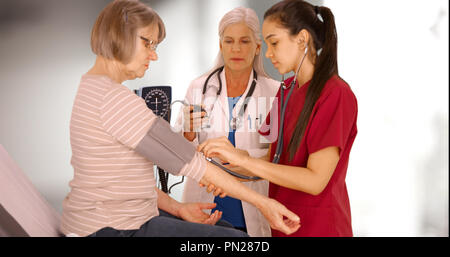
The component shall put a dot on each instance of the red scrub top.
(332, 123)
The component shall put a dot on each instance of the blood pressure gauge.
(158, 99)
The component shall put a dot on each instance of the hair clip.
(320, 17)
(319, 52)
(316, 9)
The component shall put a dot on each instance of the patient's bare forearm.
(231, 185)
(167, 203)
(265, 157)
(242, 171)
(246, 172)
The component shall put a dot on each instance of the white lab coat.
(246, 137)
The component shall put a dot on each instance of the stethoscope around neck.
(235, 122)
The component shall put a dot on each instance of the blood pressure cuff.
(171, 151)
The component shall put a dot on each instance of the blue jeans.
(167, 225)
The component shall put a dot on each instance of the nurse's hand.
(279, 217)
(223, 149)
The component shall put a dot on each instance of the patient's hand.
(193, 212)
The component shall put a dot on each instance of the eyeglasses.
(149, 44)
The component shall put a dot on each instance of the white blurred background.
(394, 55)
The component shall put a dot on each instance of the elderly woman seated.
(116, 140)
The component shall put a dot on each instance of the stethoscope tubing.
(276, 157)
(232, 172)
(279, 148)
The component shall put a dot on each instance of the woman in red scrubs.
(319, 122)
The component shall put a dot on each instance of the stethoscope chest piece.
(235, 123)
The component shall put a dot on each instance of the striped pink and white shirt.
(113, 186)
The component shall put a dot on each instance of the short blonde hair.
(114, 33)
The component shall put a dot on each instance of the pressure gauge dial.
(158, 99)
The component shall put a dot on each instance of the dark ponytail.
(296, 15)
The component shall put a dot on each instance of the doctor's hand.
(223, 149)
(193, 212)
(193, 117)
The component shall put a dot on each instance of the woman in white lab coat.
(238, 77)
